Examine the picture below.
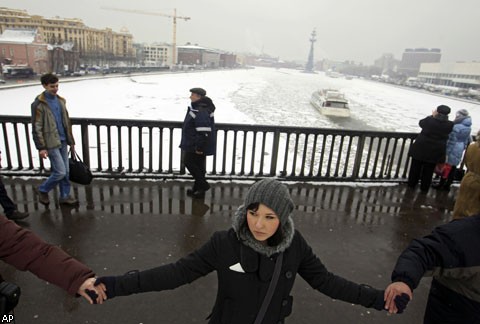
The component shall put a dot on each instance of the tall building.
(156, 54)
(413, 58)
(92, 44)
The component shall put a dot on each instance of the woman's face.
(263, 223)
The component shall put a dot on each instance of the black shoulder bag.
(79, 172)
(271, 290)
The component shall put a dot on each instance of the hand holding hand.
(397, 295)
(93, 294)
(107, 284)
(401, 302)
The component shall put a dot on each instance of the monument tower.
(309, 66)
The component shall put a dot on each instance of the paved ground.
(357, 231)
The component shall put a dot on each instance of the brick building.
(24, 48)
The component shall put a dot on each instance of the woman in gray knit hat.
(261, 247)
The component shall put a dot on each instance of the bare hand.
(89, 284)
(43, 154)
(393, 290)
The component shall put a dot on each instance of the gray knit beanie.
(462, 112)
(273, 194)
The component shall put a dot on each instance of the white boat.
(330, 102)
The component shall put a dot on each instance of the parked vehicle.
(13, 71)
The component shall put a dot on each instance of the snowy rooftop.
(18, 35)
(67, 46)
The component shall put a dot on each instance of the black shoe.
(68, 201)
(190, 192)
(198, 194)
(17, 215)
(42, 197)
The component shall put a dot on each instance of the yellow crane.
(155, 13)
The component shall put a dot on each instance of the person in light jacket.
(458, 140)
(244, 258)
(52, 134)
(25, 251)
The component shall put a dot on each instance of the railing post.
(358, 156)
(275, 146)
(85, 144)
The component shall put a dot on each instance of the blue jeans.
(59, 171)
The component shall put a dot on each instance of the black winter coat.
(240, 294)
(449, 254)
(198, 131)
(431, 144)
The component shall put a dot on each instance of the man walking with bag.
(52, 133)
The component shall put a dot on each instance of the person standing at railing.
(8, 205)
(198, 139)
(458, 141)
(468, 198)
(429, 148)
(52, 133)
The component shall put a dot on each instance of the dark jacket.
(450, 254)
(240, 294)
(198, 131)
(431, 144)
(27, 252)
(44, 128)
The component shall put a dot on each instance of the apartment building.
(156, 54)
(90, 43)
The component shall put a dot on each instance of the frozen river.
(256, 96)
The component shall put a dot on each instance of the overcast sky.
(359, 30)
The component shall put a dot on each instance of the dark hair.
(277, 237)
(48, 78)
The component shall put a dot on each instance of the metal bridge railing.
(116, 148)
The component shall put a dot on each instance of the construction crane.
(154, 13)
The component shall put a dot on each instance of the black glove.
(92, 294)
(401, 302)
(379, 303)
(109, 283)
